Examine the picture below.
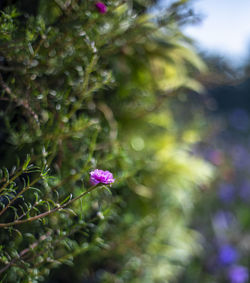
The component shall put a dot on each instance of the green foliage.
(83, 90)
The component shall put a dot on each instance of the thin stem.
(85, 85)
(28, 211)
(11, 180)
(47, 213)
(23, 103)
(21, 192)
(25, 251)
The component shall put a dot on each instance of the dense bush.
(85, 88)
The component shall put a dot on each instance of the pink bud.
(102, 8)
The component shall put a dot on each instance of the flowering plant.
(81, 91)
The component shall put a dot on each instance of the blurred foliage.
(222, 215)
(83, 90)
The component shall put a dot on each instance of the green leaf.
(26, 163)
(69, 197)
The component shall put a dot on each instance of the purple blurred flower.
(226, 192)
(215, 156)
(227, 255)
(99, 176)
(222, 220)
(101, 7)
(239, 119)
(240, 156)
(245, 191)
(238, 274)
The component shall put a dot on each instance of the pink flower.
(99, 176)
(101, 7)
